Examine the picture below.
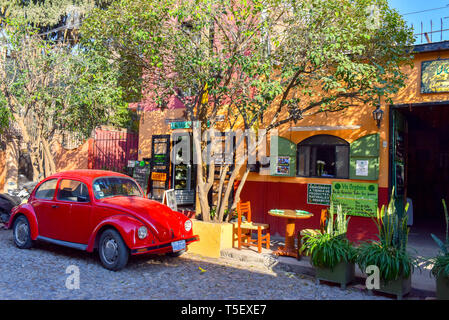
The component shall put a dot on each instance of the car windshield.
(115, 186)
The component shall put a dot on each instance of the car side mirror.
(83, 199)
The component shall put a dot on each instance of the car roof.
(87, 175)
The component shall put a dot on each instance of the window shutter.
(282, 157)
(364, 158)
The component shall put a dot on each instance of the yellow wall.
(214, 237)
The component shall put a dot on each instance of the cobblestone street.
(40, 273)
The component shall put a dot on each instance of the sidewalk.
(423, 286)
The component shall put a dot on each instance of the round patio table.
(290, 215)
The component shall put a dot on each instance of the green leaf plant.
(330, 248)
(441, 261)
(389, 253)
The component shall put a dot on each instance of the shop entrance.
(420, 162)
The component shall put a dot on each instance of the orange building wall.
(71, 159)
(411, 92)
(153, 123)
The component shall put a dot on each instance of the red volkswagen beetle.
(104, 210)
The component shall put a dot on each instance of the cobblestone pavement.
(40, 273)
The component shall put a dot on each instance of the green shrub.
(389, 253)
(329, 249)
(441, 261)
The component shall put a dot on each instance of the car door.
(43, 204)
(74, 211)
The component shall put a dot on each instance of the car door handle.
(54, 206)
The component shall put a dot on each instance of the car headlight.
(188, 225)
(142, 232)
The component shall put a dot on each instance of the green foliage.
(441, 261)
(389, 253)
(5, 114)
(339, 225)
(328, 249)
(260, 63)
(441, 265)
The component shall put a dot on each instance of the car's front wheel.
(113, 251)
(22, 233)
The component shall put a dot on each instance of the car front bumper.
(163, 247)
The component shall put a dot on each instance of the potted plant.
(331, 253)
(389, 253)
(440, 269)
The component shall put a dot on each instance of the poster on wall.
(361, 168)
(356, 199)
(283, 165)
(318, 193)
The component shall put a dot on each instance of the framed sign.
(318, 193)
(169, 199)
(435, 76)
(357, 199)
(158, 176)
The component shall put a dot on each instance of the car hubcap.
(21, 233)
(110, 250)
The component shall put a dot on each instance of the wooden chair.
(323, 223)
(246, 228)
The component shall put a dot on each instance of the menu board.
(357, 199)
(141, 174)
(318, 193)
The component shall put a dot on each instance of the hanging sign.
(357, 199)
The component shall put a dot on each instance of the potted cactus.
(331, 253)
(440, 269)
(389, 253)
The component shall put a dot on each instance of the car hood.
(163, 222)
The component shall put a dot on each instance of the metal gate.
(113, 149)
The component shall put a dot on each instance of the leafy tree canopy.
(261, 62)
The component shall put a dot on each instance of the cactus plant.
(441, 262)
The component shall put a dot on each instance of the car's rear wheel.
(113, 251)
(22, 233)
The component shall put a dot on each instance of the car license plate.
(178, 245)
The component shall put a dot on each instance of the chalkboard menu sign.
(141, 174)
(318, 193)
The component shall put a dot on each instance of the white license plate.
(178, 245)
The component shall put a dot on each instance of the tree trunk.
(49, 161)
(12, 164)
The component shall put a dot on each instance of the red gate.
(111, 150)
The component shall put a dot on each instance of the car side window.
(71, 190)
(46, 190)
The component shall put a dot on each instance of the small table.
(291, 215)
